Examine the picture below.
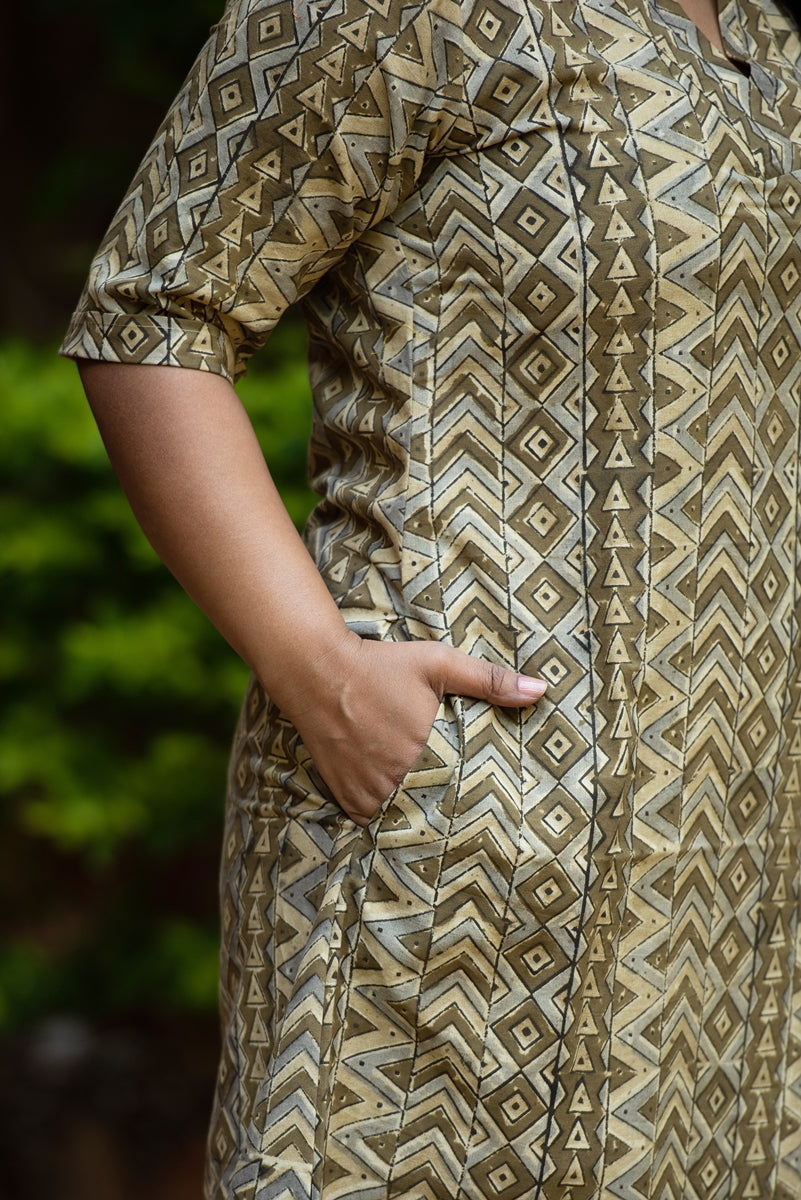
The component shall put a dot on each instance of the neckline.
(742, 34)
(728, 56)
(718, 44)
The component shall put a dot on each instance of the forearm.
(190, 464)
(187, 457)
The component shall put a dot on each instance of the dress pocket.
(420, 808)
(273, 775)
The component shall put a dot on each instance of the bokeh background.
(118, 698)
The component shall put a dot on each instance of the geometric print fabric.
(550, 259)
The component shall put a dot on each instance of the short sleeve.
(300, 125)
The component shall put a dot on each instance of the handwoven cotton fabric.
(550, 259)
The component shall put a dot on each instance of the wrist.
(308, 671)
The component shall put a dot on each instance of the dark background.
(86, 83)
(117, 698)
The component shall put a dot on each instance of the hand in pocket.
(366, 733)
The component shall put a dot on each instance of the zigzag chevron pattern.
(550, 258)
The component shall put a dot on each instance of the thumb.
(462, 675)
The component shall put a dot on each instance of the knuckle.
(496, 677)
(437, 666)
(440, 657)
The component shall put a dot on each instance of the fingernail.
(533, 688)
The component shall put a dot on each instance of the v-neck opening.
(742, 41)
(726, 55)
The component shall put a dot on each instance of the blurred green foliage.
(118, 703)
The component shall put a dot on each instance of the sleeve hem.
(153, 340)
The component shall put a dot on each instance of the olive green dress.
(550, 258)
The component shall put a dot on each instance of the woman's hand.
(368, 722)
(193, 471)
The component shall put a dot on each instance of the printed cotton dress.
(550, 259)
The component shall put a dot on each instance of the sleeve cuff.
(154, 340)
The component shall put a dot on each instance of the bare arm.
(190, 464)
